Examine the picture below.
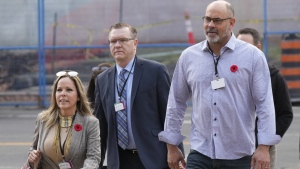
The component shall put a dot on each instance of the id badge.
(217, 84)
(65, 165)
(119, 106)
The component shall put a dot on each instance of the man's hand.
(175, 157)
(261, 158)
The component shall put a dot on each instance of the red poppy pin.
(77, 127)
(234, 68)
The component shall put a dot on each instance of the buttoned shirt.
(128, 88)
(222, 120)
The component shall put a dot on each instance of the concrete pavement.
(17, 126)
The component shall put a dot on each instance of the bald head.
(218, 23)
(222, 6)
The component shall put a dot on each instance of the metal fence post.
(41, 54)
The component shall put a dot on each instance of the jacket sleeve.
(99, 113)
(36, 136)
(93, 145)
(163, 89)
(282, 102)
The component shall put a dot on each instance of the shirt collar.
(230, 44)
(128, 67)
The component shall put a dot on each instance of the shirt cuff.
(268, 139)
(171, 138)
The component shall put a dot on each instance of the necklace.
(65, 122)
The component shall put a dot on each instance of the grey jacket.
(84, 150)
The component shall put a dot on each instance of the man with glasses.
(130, 102)
(281, 97)
(226, 80)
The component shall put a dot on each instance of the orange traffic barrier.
(290, 58)
(290, 45)
(293, 84)
(290, 71)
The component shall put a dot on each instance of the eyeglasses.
(66, 72)
(121, 41)
(97, 68)
(216, 21)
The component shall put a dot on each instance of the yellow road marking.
(15, 143)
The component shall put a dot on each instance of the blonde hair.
(51, 115)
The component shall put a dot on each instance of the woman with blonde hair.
(67, 135)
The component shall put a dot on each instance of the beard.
(213, 39)
(217, 38)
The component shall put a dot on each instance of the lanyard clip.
(217, 77)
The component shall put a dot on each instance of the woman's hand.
(34, 156)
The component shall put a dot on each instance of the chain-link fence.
(39, 37)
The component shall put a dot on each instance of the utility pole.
(54, 43)
(121, 11)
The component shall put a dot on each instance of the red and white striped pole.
(189, 29)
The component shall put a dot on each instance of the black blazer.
(150, 90)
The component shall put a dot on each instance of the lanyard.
(120, 93)
(216, 67)
(63, 147)
(216, 62)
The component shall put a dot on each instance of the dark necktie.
(122, 115)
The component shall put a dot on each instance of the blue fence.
(41, 37)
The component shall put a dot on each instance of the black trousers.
(129, 159)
